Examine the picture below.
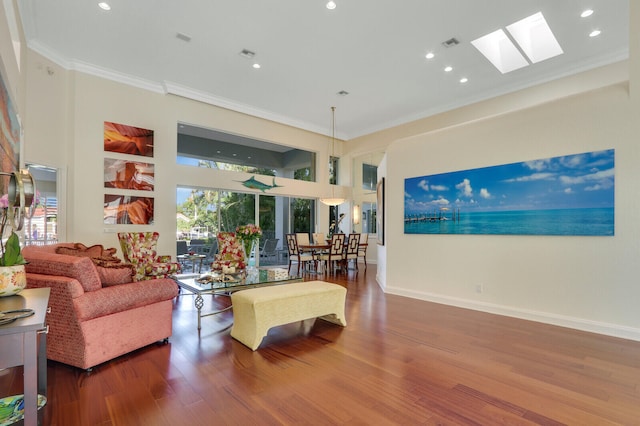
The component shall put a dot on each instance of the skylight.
(533, 37)
(500, 51)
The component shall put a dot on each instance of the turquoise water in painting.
(526, 222)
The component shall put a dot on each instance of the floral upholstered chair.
(139, 249)
(230, 253)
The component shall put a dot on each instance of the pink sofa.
(97, 313)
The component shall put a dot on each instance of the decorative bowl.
(13, 279)
(12, 408)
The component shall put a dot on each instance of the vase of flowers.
(13, 278)
(248, 236)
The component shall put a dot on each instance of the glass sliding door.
(220, 210)
(235, 209)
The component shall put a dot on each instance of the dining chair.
(362, 248)
(303, 240)
(335, 253)
(351, 250)
(295, 255)
(318, 238)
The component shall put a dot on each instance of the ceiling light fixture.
(256, 66)
(430, 55)
(331, 5)
(595, 33)
(464, 80)
(332, 200)
(104, 5)
(586, 13)
(448, 69)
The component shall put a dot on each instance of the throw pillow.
(121, 274)
(99, 255)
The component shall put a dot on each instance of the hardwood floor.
(399, 361)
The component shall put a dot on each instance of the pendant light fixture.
(332, 200)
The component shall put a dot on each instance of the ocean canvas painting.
(567, 195)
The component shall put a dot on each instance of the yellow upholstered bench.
(255, 311)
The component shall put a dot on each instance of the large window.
(368, 218)
(369, 177)
(202, 213)
(42, 227)
(218, 150)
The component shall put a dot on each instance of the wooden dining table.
(315, 248)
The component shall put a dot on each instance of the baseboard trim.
(607, 329)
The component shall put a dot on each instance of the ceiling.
(374, 50)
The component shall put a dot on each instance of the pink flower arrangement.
(248, 232)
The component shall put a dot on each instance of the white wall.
(68, 110)
(584, 282)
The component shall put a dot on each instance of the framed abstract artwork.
(9, 135)
(128, 210)
(128, 139)
(124, 174)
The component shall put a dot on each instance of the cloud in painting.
(465, 188)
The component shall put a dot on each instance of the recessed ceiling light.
(331, 5)
(595, 33)
(430, 55)
(448, 69)
(256, 66)
(586, 13)
(464, 80)
(104, 5)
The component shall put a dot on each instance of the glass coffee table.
(224, 284)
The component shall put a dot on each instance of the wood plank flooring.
(399, 361)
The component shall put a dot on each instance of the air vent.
(245, 53)
(183, 37)
(451, 42)
(342, 93)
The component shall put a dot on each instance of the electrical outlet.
(479, 288)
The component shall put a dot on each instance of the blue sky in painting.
(573, 181)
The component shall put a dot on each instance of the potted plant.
(13, 278)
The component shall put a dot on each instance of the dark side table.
(19, 345)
